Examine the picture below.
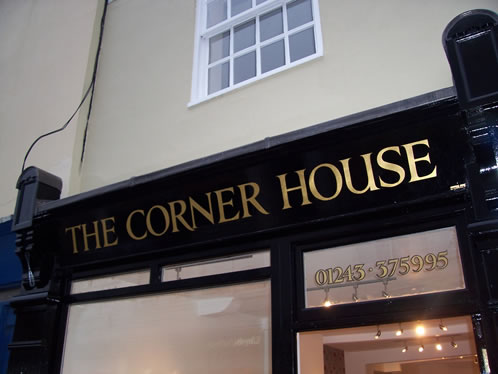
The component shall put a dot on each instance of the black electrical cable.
(58, 130)
(92, 85)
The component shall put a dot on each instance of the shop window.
(216, 266)
(414, 264)
(240, 41)
(129, 279)
(221, 330)
(427, 346)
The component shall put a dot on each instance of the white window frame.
(199, 92)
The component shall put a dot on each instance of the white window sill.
(194, 102)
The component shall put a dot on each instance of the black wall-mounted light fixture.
(471, 44)
(36, 187)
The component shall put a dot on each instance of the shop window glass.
(414, 264)
(216, 266)
(222, 330)
(136, 278)
(392, 348)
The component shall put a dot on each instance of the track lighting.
(355, 294)
(453, 344)
(439, 347)
(421, 348)
(442, 326)
(377, 335)
(405, 348)
(420, 329)
(384, 292)
(326, 302)
(399, 331)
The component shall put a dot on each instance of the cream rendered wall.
(375, 53)
(45, 66)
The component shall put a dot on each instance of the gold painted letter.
(73, 236)
(368, 166)
(128, 225)
(107, 230)
(412, 161)
(178, 215)
(338, 182)
(222, 204)
(87, 235)
(208, 214)
(390, 166)
(251, 199)
(149, 223)
(285, 190)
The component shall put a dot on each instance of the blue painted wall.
(10, 278)
(10, 267)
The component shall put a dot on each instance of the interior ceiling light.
(453, 344)
(421, 348)
(399, 331)
(442, 326)
(326, 302)
(439, 347)
(420, 329)
(405, 348)
(377, 335)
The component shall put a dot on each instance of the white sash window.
(241, 41)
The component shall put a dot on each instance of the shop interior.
(438, 346)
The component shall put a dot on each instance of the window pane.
(111, 282)
(400, 266)
(238, 6)
(271, 24)
(356, 351)
(219, 46)
(244, 67)
(259, 1)
(272, 56)
(219, 77)
(216, 266)
(221, 330)
(216, 12)
(298, 13)
(302, 44)
(244, 35)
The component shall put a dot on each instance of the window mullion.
(205, 56)
(286, 35)
(220, 61)
(301, 28)
(240, 18)
(231, 67)
(258, 48)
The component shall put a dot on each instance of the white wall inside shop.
(375, 53)
(45, 66)
(358, 361)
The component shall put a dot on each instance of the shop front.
(366, 244)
